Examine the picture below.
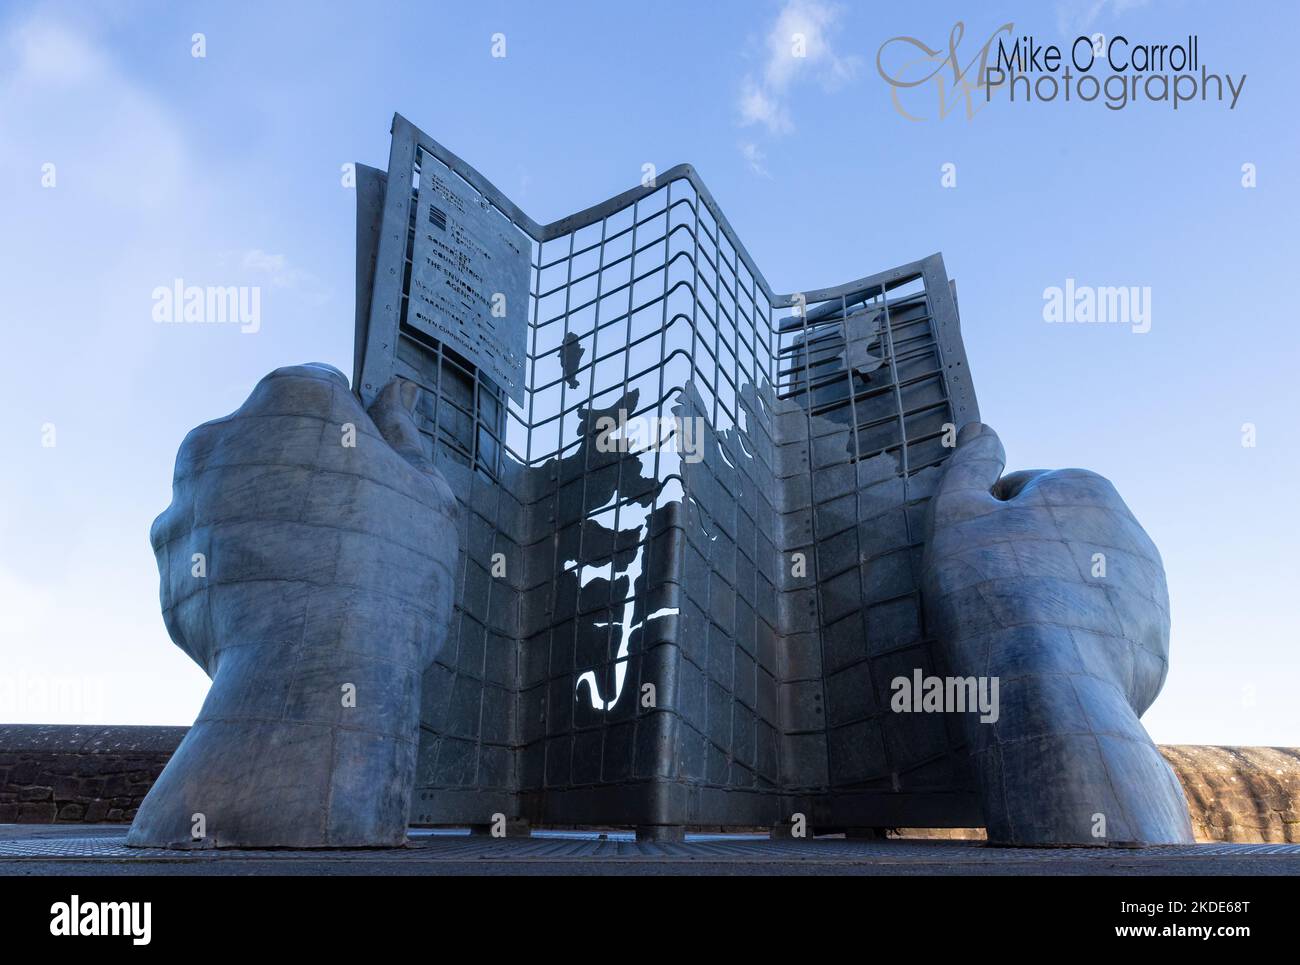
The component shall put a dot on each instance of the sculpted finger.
(966, 489)
(393, 414)
(1010, 485)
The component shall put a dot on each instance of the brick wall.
(60, 773)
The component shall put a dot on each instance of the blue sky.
(225, 170)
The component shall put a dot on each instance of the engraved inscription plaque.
(469, 275)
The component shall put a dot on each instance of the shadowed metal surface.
(638, 567)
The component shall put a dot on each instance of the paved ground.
(99, 850)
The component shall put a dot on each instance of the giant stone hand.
(307, 565)
(1046, 581)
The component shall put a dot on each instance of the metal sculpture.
(693, 563)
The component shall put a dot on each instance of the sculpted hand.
(307, 564)
(1046, 581)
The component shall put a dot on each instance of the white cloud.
(754, 158)
(49, 54)
(797, 47)
(759, 107)
(1075, 16)
(280, 274)
(799, 41)
(51, 70)
(259, 260)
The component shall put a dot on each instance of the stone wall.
(71, 774)
(60, 773)
(1246, 794)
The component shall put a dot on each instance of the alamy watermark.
(74, 917)
(1107, 305)
(211, 305)
(77, 697)
(919, 694)
(649, 433)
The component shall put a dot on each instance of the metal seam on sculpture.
(299, 581)
(333, 650)
(197, 474)
(308, 724)
(356, 531)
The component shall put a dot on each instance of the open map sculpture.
(626, 538)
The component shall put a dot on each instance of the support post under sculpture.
(1045, 581)
(307, 564)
